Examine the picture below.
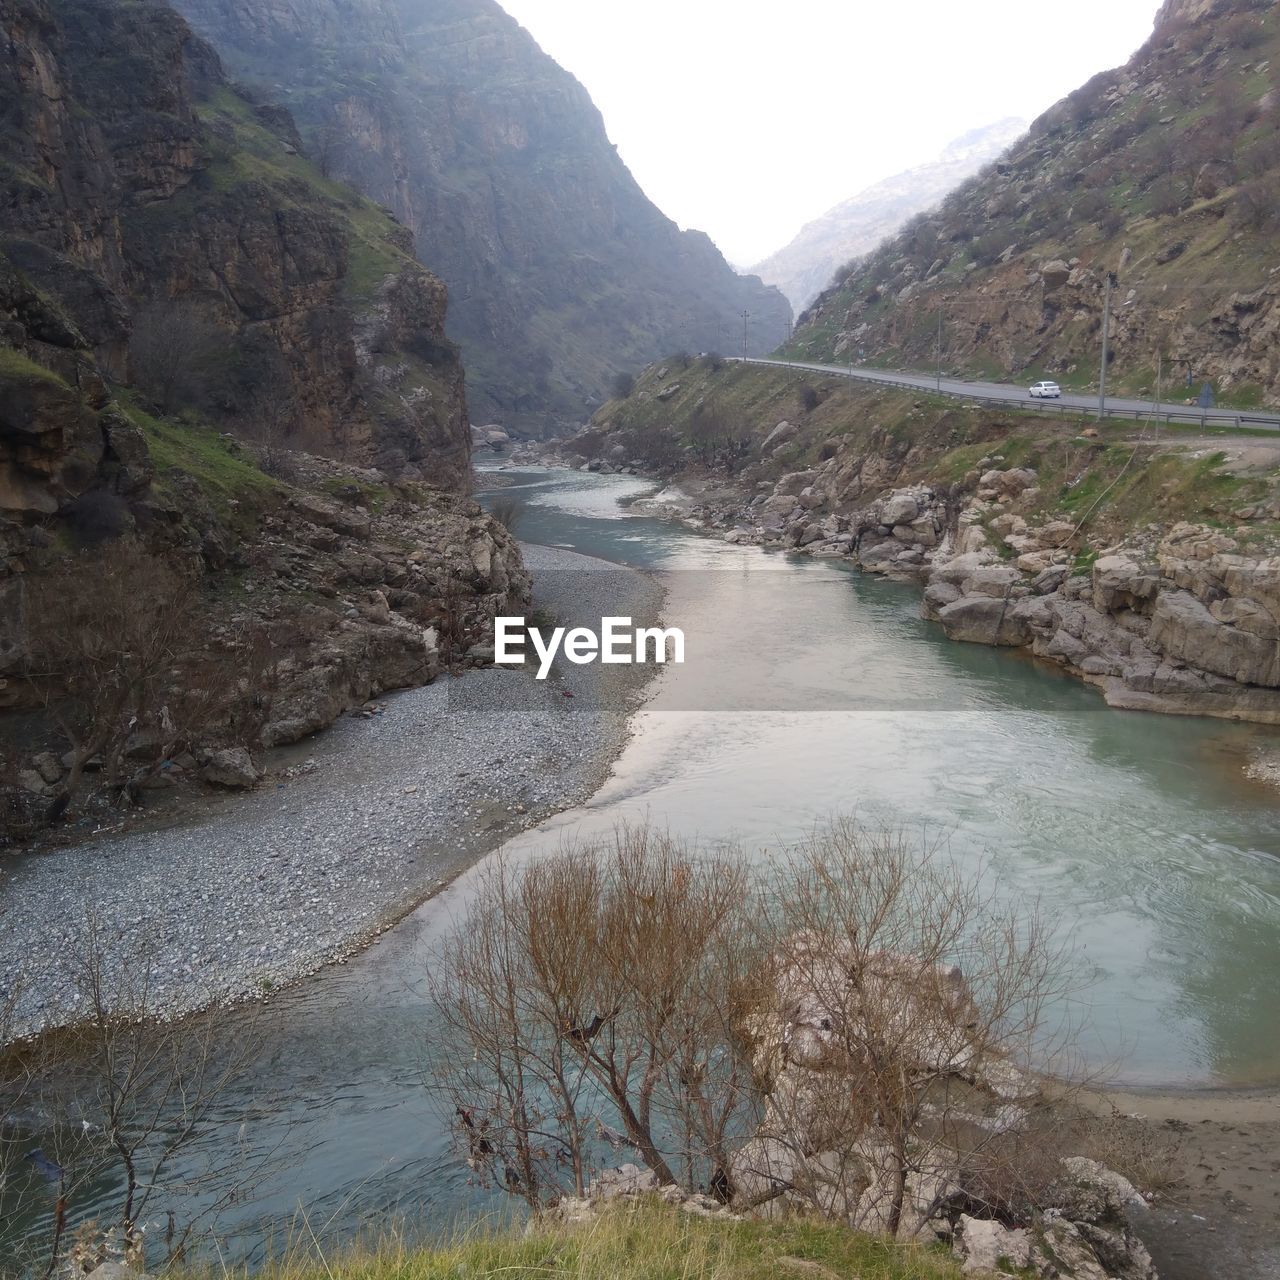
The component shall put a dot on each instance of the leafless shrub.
(124, 1101)
(595, 997)
(1256, 207)
(172, 351)
(1243, 31)
(507, 512)
(270, 426)
(328, 147)
(448, 614)
(16, 1088)
(106, 634)
(97, 516)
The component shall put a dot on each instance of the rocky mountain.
(560, 270)
(803, 268)
(1164, 174)
(176, 222)
(188, 311)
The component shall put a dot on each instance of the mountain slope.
(1165, 172)
(856, 226)
(202, 258)
(188, 310)
(561, 272)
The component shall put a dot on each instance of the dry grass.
(635, 1241)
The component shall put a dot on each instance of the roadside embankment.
(1144, 565)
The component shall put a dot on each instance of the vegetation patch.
(639, 1241)
(208, 457)
(16, 367)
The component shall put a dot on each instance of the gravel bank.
(351, 830)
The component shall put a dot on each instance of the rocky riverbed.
(347, 833)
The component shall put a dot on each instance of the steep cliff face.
(446, 111)
(186, 308)
(803, 268)
(1165, 173)
(175, 221)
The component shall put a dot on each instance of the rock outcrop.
(1174, 615)
(820, 1145)
(447, 112)
(199, 256)
(187, 307)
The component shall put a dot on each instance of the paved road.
(1069, 403)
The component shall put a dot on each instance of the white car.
(1046, 391)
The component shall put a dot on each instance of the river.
(808, 690)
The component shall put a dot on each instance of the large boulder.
(1120, 583)
(795, 483)
(984, 620)
(985, 1246)
(996, 580)
(1090, 1192)
(1183, 628)
(1055, 274)
(1007, 484)
(782, 433)
(901, 508)
(232, 768)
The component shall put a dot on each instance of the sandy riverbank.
(1217, 1221)
(368, 820)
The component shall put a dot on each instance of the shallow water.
(808, 690)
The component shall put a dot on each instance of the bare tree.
(125, 1103)
(596, 995)
(507, 512)
(851, 1042)
(328, 143)
(271, 424)
(107, 633)
(172, 351)
(907, 1008)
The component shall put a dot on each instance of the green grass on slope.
(15, 367)
(233, 486)
(640, 1242)
(243, 150)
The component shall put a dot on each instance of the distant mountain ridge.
(1162, 176)
(561, 271)
(856, 226)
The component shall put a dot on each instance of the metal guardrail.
(1204, 417)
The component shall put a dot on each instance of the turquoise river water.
(810, 690)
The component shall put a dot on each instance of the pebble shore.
(368, 820)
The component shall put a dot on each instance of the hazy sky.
(747, 119)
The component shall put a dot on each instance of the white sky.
(748, 119)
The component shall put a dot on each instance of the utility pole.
(1106, 344)
(746, 316)
(939, 346)
(1159, 389)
